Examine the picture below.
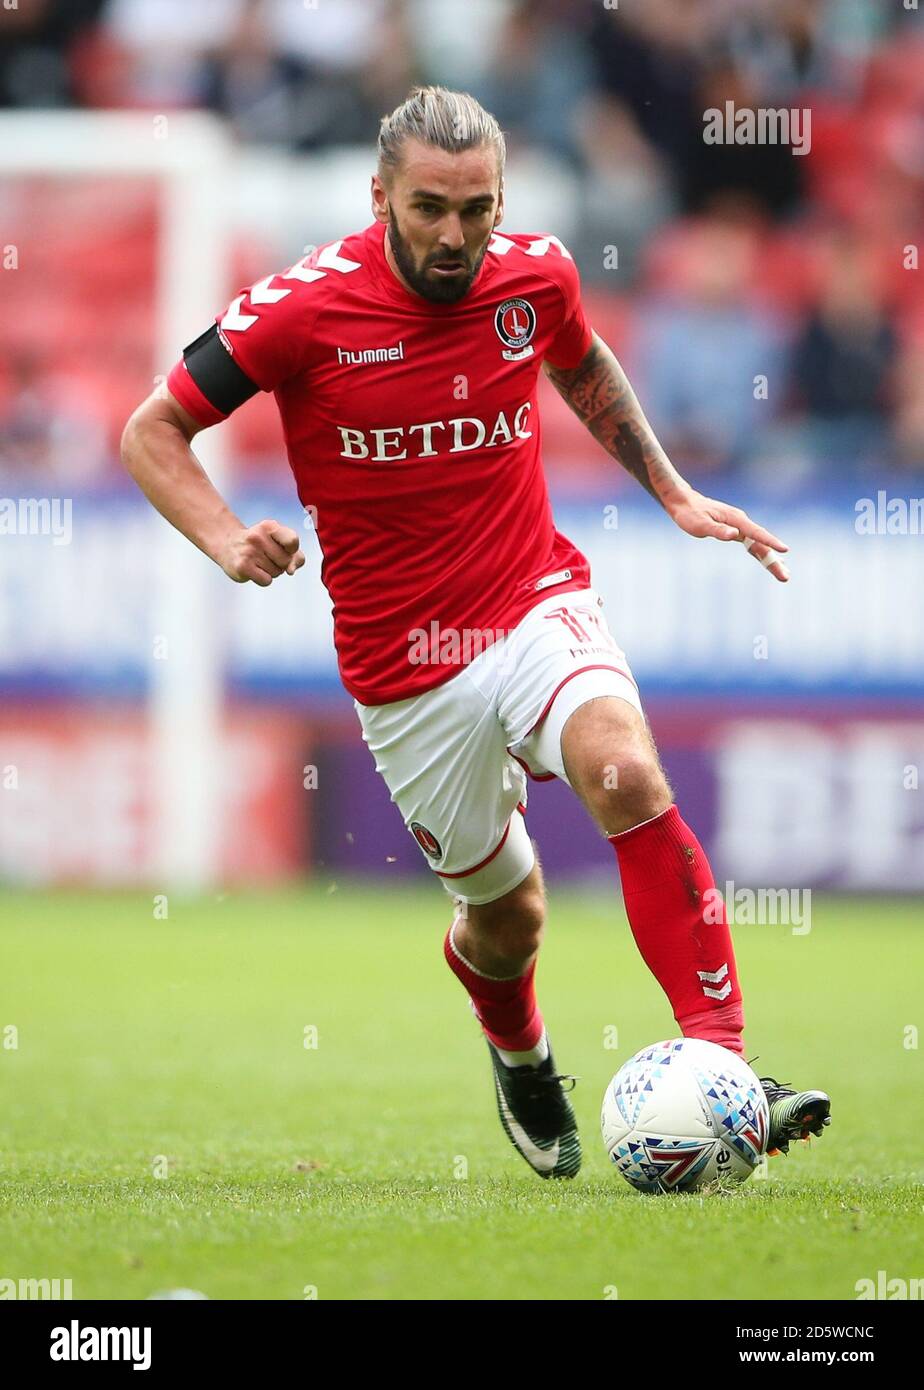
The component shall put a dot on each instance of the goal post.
(189, 156)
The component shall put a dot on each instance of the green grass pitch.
(164, 1125)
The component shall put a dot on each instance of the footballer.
(405, 362)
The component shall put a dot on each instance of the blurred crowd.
(768, 304)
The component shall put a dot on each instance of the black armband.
(211, 366)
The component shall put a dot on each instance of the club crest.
(427, 840)
(515, 321)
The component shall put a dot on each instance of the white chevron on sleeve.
(329, 258)
(262, 294)
(306, 273)
(540, 247)
(332, 260)
(234, 320)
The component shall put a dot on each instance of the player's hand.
(703, 516)
(261, 553)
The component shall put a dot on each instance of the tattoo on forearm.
(598, 392)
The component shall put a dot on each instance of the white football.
(684, 1113)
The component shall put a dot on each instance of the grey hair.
(450, 121)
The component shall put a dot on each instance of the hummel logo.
(359, 359)
(714, 977)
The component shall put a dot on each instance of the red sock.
(506, 1009)
(680, 926)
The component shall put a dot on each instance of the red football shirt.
(413, 434)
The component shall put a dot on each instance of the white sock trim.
(467, 963)
(650, 821)
(531, 1057)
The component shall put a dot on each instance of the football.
(682, 1114)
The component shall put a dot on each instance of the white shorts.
(456, 758)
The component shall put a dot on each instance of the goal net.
(114, 254)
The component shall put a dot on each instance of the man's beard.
(438, 290)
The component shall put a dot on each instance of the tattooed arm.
(598, 392)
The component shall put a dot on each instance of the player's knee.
(627, 789)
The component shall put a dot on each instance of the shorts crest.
(427, 840)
